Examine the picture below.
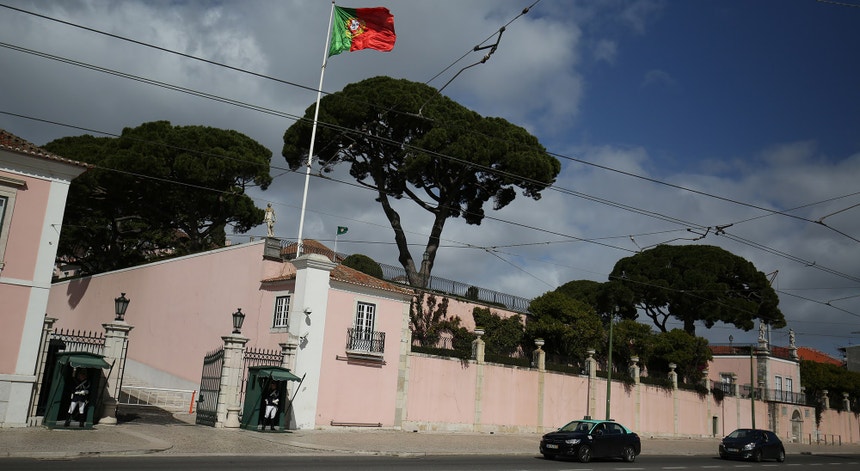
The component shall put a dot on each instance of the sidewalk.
(177, 435)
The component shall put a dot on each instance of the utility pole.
(609, 369)
(752, 388)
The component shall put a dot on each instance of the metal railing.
(396, 274)
(774, 395)
(173, 400)
(361, 340)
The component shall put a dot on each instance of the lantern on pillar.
(120, 305)
(238, 319)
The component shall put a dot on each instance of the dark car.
(752, 444)
(586, 439)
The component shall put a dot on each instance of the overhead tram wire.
(274, 112)
(479, 47)
(524, 11)
(159, 48)
(490, 250)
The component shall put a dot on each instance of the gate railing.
(173, 400)
(210, 388)
(257, 357)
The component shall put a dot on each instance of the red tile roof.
(11, 142)
(811, 354)
(340, 272)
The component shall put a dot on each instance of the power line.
(275, 112)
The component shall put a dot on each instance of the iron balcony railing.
(365, 341)
(774, 395)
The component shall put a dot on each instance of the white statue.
(791, 338)
(269, 219)
(761, 331)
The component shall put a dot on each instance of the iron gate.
(210, 388)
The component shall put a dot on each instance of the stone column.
(539, 356)
(231, 375)
(478, 355)
(825, 399)
(288, 361)
(633, 369)
(846, 404)
(591, 369)
(478, 346)
(116, 345)
(44, 343)
(673, 376)
(539, 362)
(736, 388)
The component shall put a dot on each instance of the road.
(823, 462)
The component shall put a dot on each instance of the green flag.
(341, 230)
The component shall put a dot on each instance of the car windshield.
(741, 434)
(577, 426)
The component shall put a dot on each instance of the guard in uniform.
(272, 399)
(80, 397)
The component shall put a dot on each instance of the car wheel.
(781, 455)
(628, 454)
(757, 456)
(548, 456)
(584, 454)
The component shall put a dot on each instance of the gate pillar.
(231, 379)
(116, 346)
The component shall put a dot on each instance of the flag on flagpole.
(341, 230)
(354, 29)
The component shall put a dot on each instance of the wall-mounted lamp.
(120, 305)
(238, 319)
(308, 311)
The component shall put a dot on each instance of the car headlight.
(749, 446)
(572, 441)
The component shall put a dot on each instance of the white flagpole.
(314, 134)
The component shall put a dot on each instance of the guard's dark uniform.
(80, 398)
(271, 400)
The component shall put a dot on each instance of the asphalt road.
(436, 463)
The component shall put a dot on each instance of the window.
(282, 312)
(777, 385)
(361, 338)
(789, 386)
(8, 190)
(726, 382)
(365, 316)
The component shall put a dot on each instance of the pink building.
(348, 331)
(33, 189)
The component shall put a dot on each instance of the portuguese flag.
(361, 28)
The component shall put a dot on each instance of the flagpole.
(314, 133)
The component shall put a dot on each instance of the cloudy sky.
(672, 119)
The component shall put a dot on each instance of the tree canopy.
(698, 283)
(158, 190)
(364, 264)
(404, 139)
(568, 326)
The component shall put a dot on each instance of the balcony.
(366, 344)
(775, 395)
